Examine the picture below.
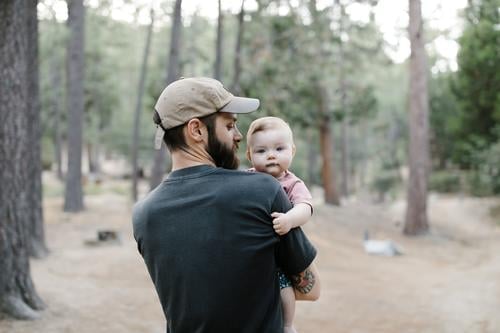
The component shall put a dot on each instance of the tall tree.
(327, 148)
(138, 109)
(55, 97)
(18, 297)
(344, 126)
(235, 84)
(73, 194)
(325, 119)
(218, 43)
(416, 212)
(172, 74)
(38, 248)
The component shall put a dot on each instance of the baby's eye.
(280, 148)
(260, 151)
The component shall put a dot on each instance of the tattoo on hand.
(304, 282)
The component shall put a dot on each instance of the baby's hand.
(281, 223)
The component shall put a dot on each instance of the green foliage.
(385, 181)
(484, 178)
(445, 123)
(285, 59)
(465, 106)
(445, 182)
(477, 84)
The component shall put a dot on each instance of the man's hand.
(281, 223)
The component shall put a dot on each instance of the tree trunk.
(18, 297)
(416, 213)
(327, 148)
(218, 45)
(56, 97)
(159, 164)
(344, 126)
(311, 158)
(73, 194)
(138, 109)
(94, 144)
(344, 134)
(37, 246)
(344, 153)
(235, 85)
(91, 158)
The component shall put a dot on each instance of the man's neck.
(189, 157)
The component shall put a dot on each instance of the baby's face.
(271, 151)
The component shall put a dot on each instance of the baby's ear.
(294, 149)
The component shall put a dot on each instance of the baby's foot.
(289, 329)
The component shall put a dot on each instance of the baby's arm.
(294, 218)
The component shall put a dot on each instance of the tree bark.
(218, 44)
(235, 85)
(138, 109)
(37, 246)
(18, 297)
(344, 126)
(311, 158)
(56, 97)
(73, 194)
(416, 214)
(327, 149)
(159, 164)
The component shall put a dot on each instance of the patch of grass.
(495, 214)
(93, 189)
(53, 190)
(121, 190)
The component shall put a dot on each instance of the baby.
(270, 149)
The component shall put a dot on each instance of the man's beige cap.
(196, 97)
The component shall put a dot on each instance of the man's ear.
(195, 130)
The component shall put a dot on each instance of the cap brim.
(241, 105)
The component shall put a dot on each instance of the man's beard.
(223, 156)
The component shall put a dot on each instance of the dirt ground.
(448, 281)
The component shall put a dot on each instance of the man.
(206, 232)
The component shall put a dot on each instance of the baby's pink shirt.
(295, 189)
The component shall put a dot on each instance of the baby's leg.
(288, 304)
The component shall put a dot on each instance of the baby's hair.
(267, 123)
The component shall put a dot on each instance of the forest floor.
(447, 281)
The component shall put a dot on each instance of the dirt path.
(446, 282)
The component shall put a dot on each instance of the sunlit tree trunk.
(18, 297)
(416, 213)
(138, 109)
(37, 246)
(159, 164)
(73, 194)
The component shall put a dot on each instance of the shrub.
(445, 182)
(484, 178)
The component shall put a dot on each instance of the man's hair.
(174, 137)
(265, 124)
